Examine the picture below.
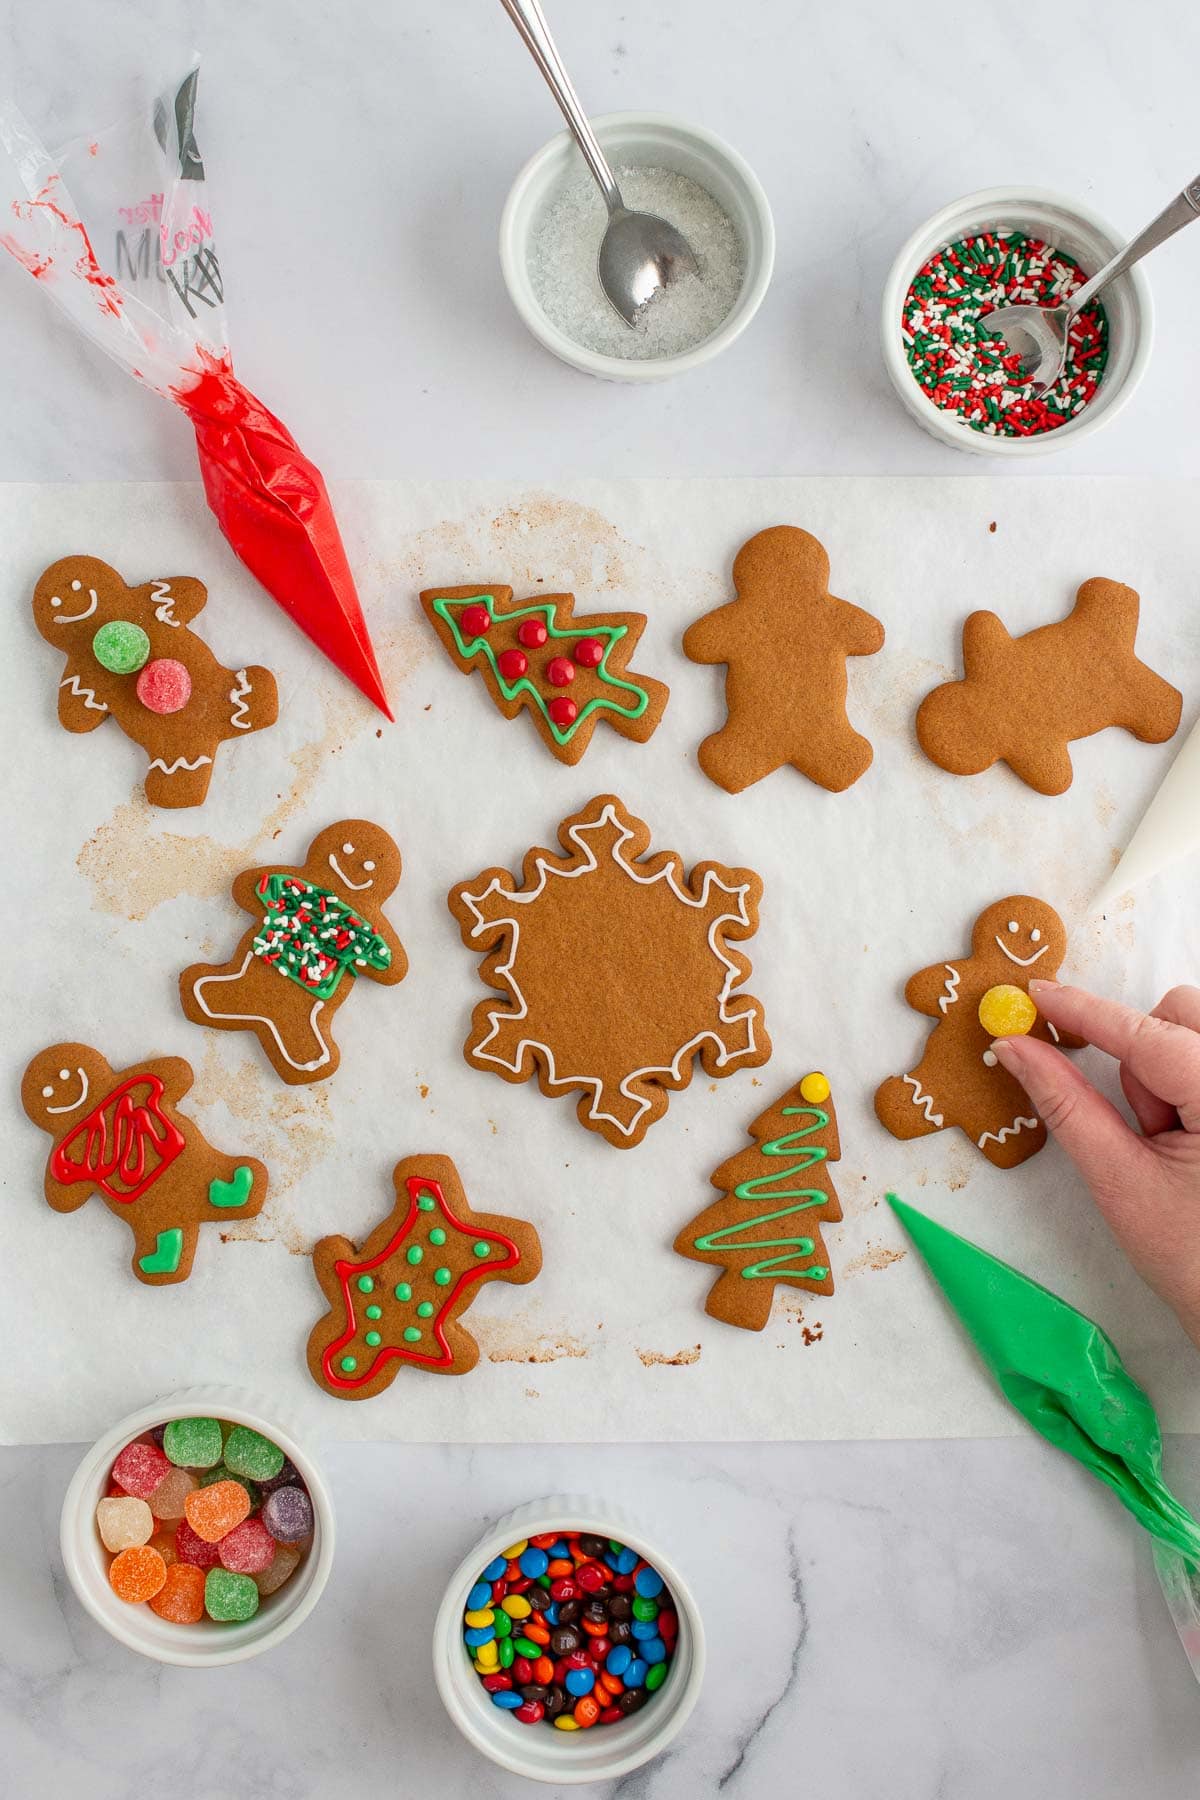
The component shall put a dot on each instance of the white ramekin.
(206, 1644)
(1071, 226)
(537, 1751)
(653, 139)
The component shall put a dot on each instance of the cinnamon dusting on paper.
(875, 1256)
(651, 1359)
(517, 1339)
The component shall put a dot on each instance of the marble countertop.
(913, 1620)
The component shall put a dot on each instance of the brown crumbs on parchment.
(651, 1359)
(992, 526)
(813, 1335)
(875, 1256)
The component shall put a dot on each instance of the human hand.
(1147, 1187)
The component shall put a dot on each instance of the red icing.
(271, 502)
(164, 686)
(563, 710)
(123, 1144)
(512, 664)
(532, 633)
(589, 653)
(560, 671)
(475, 621)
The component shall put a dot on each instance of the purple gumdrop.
(288, 1515)
(288, 1476)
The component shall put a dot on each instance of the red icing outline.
(97, 1167)
(345, 1271)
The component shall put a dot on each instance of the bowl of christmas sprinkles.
(1008, 246)
(567, 1648)
(198, 1531)
(554, 220)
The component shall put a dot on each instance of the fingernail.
(1040, 987)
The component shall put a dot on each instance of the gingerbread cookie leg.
(178, 780)
(246, 994)
(904, 1107)
(163, 1256)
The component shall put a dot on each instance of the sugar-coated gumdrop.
(288, 1515)
(193, 1549)
(229, 1597)
(121, 647)
(181, 1598)
(139, 1469)
(1007, 1011)
(164, 686)
(214, 1511)
(168, 1499)
(249, 1453)
(137, 1574)
(164, 1543)
(124, 1523)
(248, 1549)
(286, 1476)
(221, 1473)
(193, 1443)
(283, 1567)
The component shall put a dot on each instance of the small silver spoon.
(640, 253)
(1038, 334)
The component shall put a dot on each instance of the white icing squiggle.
(163, 602)
(259, 1019)
(924, 1102)
(74, 1104)
(950, 995)
(239, 718)
(1022, 962)
(1007, 1131)
(74, 618)
(86, 694)
(355, 887)
(181, 762)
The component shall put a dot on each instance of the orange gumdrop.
(137, 1574)
(164, 1543)
(182, 1596)
(212, 1512)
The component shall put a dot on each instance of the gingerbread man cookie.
(567, 673)
(1024, 700)
(318, 927)
(399, 1299)
(958, 1080)
(616, 972)
(130, 655)
(785, 640)
(122, 1137)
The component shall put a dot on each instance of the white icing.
(950, 993)
(1022, 962)
(239, 718)
(72, 1105)
(181, 762)
(1007, 1131)
(1035, 936)
(86, 694)
(74, 618)
(163, 602)
(355, 887)
(1053, 1030)
(497, 1017)
(924, 1102)
(989, 1059)
(259, 1018)
(1013, 926)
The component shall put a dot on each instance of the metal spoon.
(640, 253)
(1038, 334)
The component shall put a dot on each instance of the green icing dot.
(374, 1312)
(403, 1291)
(442, 1277)
(411, 1335)
(121, 647)
(415, 1254)
(373, 1338)
(482, 1249)
(348, 1365)
(437, 1235)
(425, 1202)
(425, 1310)
(366, 1285)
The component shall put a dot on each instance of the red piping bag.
(158, 309)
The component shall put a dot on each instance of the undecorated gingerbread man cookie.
(958, 1080)
(785, 640)
(122, 1136)
(318, 927)
(130, 656)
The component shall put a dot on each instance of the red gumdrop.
(562, 710)
(532, 633)
(476, 621)
(164, 686)
(560, 671)
(591, 1577)
(248, 1549)
(588, 653)
(191, 1548)
(512, 664)
(139, 1469)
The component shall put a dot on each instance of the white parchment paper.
(109, 901)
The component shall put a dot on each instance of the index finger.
(1163, 1056)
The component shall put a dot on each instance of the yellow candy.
(814, 1088)
(482, 1668)
(516, 1606)
(1007, 1011)
(483, 1617)
(565, 1722)
(488, 1655)
(514, 1550)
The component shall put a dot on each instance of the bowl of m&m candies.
(198, 1531)
(567, 1648)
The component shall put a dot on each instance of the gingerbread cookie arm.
(711, 639)
(857, 631)
(79, 706)
(174, 1072)
(174, 599)
(933, 991)
(246, 886)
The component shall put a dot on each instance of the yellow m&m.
(1007, 1011)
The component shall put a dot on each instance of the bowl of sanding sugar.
(554, 219)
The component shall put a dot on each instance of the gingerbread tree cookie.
(319, 926)
(1024, 700)
(958, 1080)
(567, 673)
(616, 971)
(121, 1136)
(785, 640)
(766, 1227)
(400, 1298)
(130, 656)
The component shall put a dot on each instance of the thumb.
(1107, 1153)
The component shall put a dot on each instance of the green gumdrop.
(221, 1473)
(193, 1443)
(121, 647)
(229, 1598)
(249, 1453)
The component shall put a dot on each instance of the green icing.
(425, 1310)
(348, 1365)
(775, 1268)
(373, 1338)
(232, 1193)
(411, 1335)
(442, 1277)
(166, 1255)
(366, 1285)
(414, 1254)
(482, 1249)
(426, 1202)
(374, 1312)
(437, 1236)
(403, 1291)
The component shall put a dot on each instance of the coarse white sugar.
(562, 265)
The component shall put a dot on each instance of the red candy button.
(588, 653)
(475, 621)
(562, 710)
(532, 633)
(560, 671)
(512, 664)
(164, 686)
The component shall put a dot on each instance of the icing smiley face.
(60, 1081)
(355, 857)
(1024, 931)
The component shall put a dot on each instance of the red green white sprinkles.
(312, 936)
(966, 370)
